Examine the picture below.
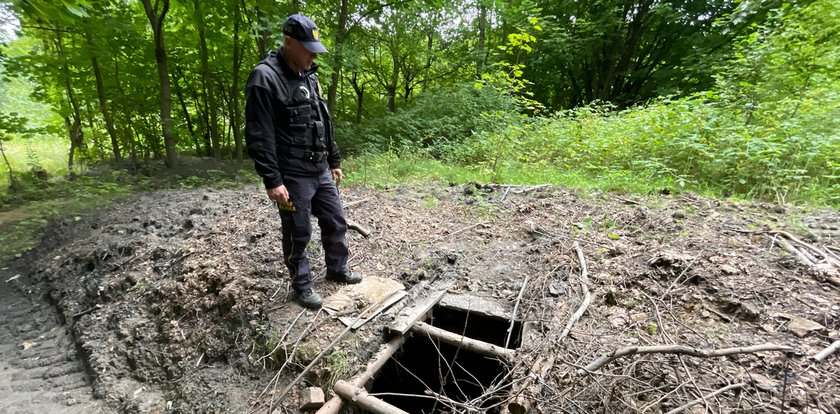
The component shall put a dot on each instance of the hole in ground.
(425, 365)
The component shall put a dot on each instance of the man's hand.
(278, 193)
(337, 175)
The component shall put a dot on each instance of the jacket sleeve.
(259, 133)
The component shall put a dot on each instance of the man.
(289, 135)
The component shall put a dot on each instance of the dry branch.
(587, 297)
(327, 348)
(357, 202)
(362, 399)
(353, 225)
(704, 398)
(469, 344)
(680, 350)
(515, 309)
(482, 223)
(819, 356)
(376, 363)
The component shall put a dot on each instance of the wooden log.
(827, 351)
(353, 225)
(362, 399)
(386, 351)
(469, 344)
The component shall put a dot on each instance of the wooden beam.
(386, 351)
(409, 316)
(362, 399)
(469, 344)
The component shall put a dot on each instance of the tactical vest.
(303, 129)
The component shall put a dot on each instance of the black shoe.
(345, 277)
(309, 299)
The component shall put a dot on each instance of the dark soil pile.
(179, 302)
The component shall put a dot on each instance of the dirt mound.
(179, 301)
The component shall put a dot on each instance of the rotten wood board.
(408, 316)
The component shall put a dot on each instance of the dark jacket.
(288, 130)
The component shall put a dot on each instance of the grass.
(42, 151)
(384, 170)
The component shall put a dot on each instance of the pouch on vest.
(301, 114)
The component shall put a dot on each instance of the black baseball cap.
(304, 30)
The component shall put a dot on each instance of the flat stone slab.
(477, 304)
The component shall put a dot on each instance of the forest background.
(718, 97)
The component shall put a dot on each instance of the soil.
(177, 301)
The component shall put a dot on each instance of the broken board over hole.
(425, 364)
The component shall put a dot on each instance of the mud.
(176, 301)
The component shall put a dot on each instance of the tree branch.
(680, 350)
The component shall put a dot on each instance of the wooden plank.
(408, 316)
(466, 343)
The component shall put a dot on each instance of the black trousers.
(312, 196)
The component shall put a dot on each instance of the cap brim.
(315, 47)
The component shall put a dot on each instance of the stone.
(801, 326)
(748, 312)
(556, 289)
(763, 383)
(312, 398)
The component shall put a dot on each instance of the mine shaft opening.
(425, 366)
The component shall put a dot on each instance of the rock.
(312, 398)
(763, 383)
(801, 326)
(556, 289)
(748, 312)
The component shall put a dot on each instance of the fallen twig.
(353, 225)
(680, 350)
(819, 356)
(703, 398)
(587, 297)
(324, 352)
(482, 223)
(357, 202)
(515, 309)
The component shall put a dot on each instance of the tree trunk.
(74, 128)
(235, 119)
(207, 82)
(103, 103)
(156, 20)
(481, 52)
(12, 182)
(183, 104)
(262, 33)
(359, 88)
(340, 37)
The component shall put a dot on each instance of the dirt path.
(179, 300)
(39, 368)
